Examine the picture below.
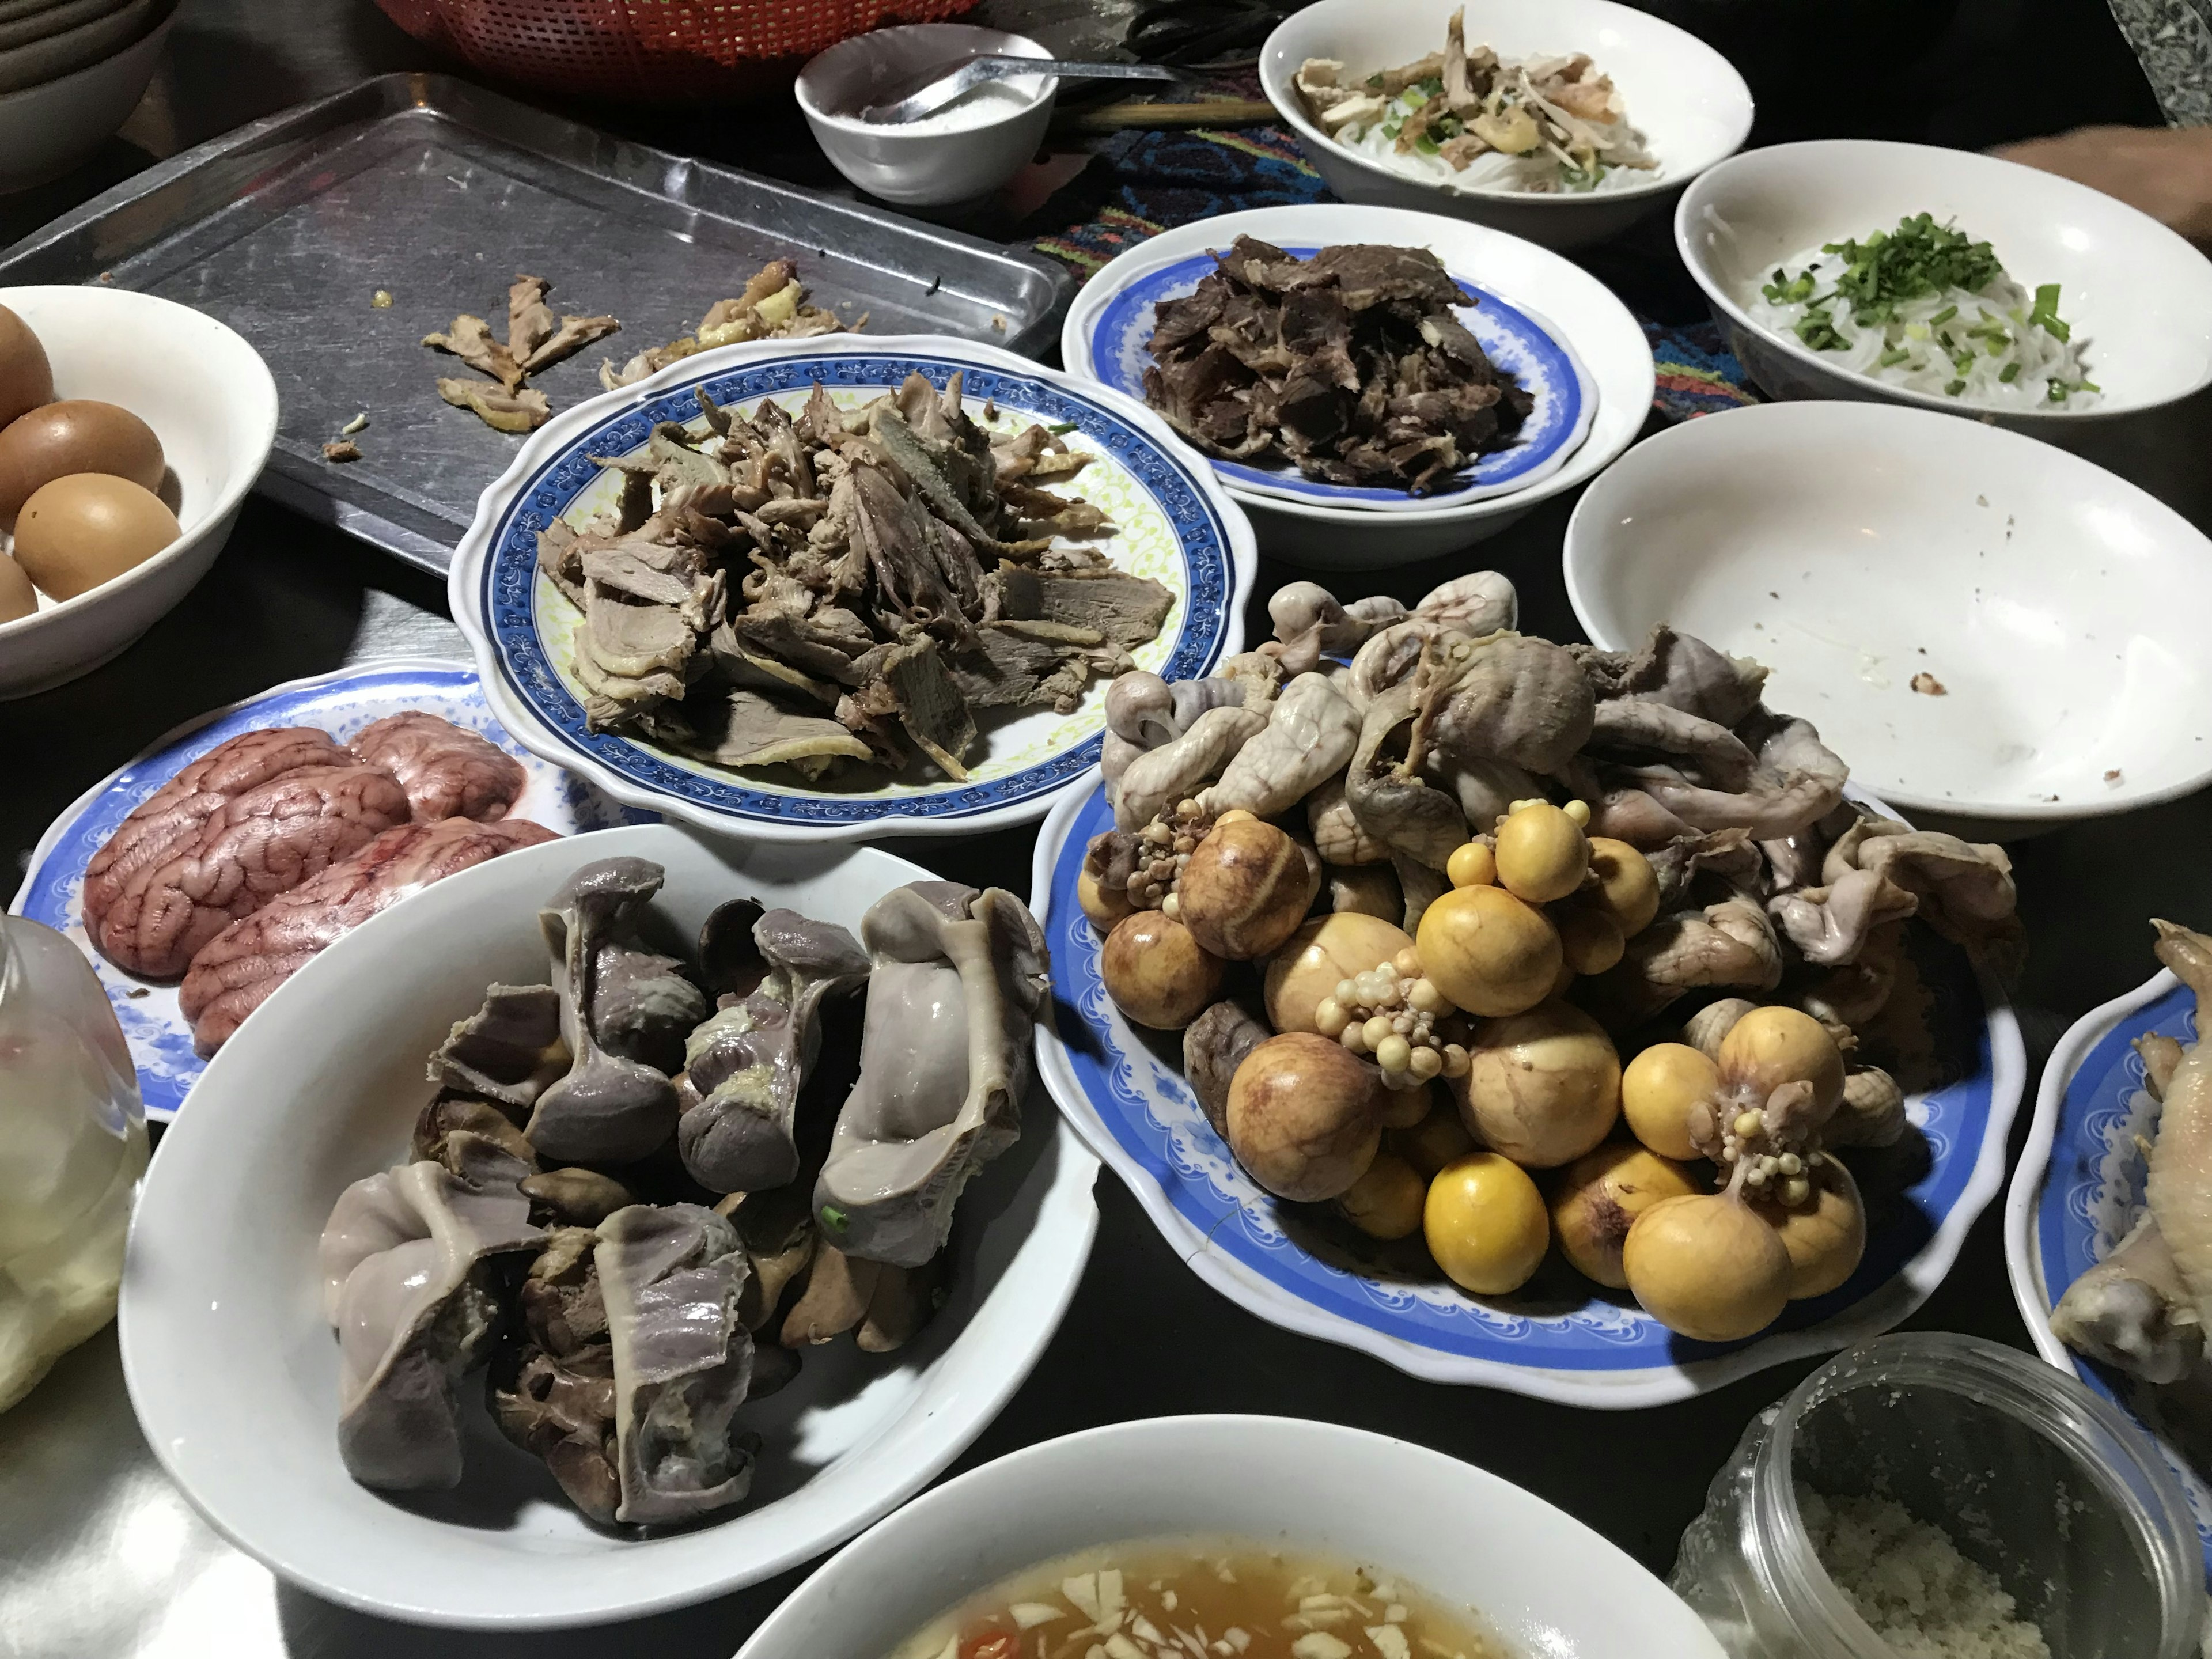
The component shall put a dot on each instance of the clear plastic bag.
(72, 1147)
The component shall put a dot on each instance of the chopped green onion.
(1427, 143)
(1391, 129)
(2010, 373)
(1783, 292)
(1059, 427)
(1943, 316)
(2045, 313)
(1817, 329)
(1892, 358)
(1954, 388)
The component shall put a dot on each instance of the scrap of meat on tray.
(268, 847)
(773, 306)
(840, 588)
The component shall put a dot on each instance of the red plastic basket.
(652, 50)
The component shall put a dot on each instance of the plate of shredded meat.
(285, 789)
(1354, 373)
(819, 589)
(1416, 380)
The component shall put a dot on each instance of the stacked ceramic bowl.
(70, 73)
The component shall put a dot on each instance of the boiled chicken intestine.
(555, 1219)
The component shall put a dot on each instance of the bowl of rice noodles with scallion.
(1851, 268)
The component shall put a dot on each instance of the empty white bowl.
(953, 156)
(1537, 1577)
(1690, 104)
(212, 403)
(233, 1372)
(2050, 613)
(2138, 297)
(1576, 308)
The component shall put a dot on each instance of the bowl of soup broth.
(1231, 1538)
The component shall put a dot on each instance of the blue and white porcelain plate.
(1116, 317)
(2079, 1189)
(341, 704)
(1123, 1090)
(1174, 523)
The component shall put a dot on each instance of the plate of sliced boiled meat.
(205, 874)
(1360, 374)
(814, 590)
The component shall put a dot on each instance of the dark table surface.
(99, 1557)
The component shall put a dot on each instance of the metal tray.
(437, 192)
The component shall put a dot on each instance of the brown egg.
(26, 380)
(79, 531)
(17, 596)
(75, 435)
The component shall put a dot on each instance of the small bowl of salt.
(1924, 1496)
(964, 150)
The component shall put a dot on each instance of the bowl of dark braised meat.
(1372, 385)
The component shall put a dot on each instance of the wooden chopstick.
(1135, 113)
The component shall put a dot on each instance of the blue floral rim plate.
(1557, 1338)
(160, 1038)
(1176, 526)
(2079, 1189)
(1517, 340)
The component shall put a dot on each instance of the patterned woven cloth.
(1139, 184)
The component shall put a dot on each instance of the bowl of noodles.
(1858, 269)
(1564, 124)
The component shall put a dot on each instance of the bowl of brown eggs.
(130, 430)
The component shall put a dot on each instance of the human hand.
(2166, 172)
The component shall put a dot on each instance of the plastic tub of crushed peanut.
(1938, 1496)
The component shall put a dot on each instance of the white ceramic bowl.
(1688, 100)
(1852, 547)
(233, 1372)
(210, 400)
(2139, 298)
(47, 128)
(1580, 311)
(930, 166)
(1540, 1579)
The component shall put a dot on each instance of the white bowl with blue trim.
(1556, 328)
(1123, 1090)
(2079, 1189)
(1176, 525)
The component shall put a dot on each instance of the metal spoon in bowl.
(914, 96)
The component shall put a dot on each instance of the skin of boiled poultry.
(2142, 1309)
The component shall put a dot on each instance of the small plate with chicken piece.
(812, 590)
(452, 1350)
(2085, 1249)
(171, 1017)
